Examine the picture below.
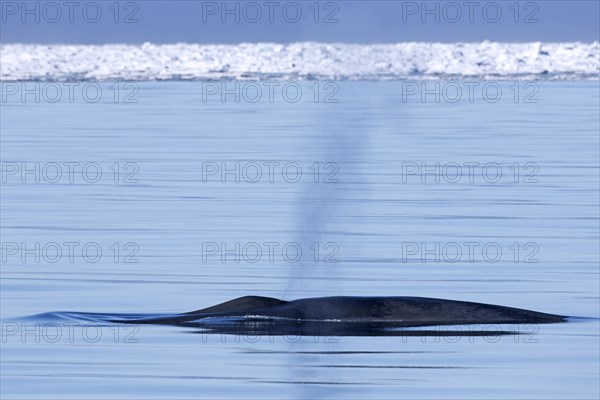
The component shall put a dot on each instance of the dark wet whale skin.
(402, 311)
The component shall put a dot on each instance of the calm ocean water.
(181, 200)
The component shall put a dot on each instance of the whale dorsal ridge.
(245, 303)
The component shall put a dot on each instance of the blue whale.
(343, 315)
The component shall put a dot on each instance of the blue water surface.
(160, 198)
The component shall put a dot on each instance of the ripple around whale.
(335, 316)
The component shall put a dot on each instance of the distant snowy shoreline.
(306, 60)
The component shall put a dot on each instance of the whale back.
(401, 311)
(408, 310)
(241, 305)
